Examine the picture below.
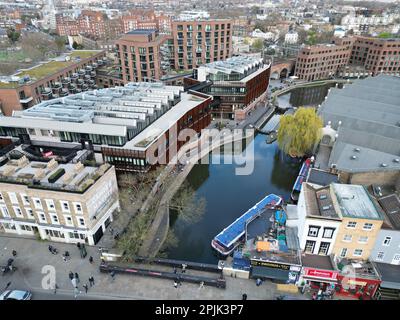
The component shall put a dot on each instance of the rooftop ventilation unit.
(397, 160)
(357, 149)
(384, 165)
(353, 157)
(326, 208)
(323, 196)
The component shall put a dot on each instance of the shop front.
(361, 288)
(277, 272)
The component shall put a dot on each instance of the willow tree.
(298, 133)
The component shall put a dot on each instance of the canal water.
(229, 195)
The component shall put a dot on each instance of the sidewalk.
(33, 255)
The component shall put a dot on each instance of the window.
(310, 246)
(387, 241)
(396, 259)
(313, 231)
(78, 207)
(68, 221)
(54, 219)
(380, 255)
(328, 233)
(18, 212)
(25, 199)
(42, 217)
(367, 226)
(324, 248)
(13, 197)
(363, 239)
(65, 206)
(351, 224)
(37, 203)
(29, 213)
(81, 222)
(357, 253)
(343, 252)
(5, 212)
(50, 205)
(347, 237)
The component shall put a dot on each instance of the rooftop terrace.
(69, 177)
(45, 69)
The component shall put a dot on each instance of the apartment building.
(319, 222)
(131, 127)
(198, 42)
(139, 19)
(361, 222)
(71, 73)
(376, 55)
(237, 84)
(65, 202)
(139, 56)
(322, 61)
(387, 246)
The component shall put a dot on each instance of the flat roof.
(321, 177)
(355, 202)
(317, 261)
(142, 31)
(389, 275)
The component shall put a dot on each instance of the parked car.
(16, 295)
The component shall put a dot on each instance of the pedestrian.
(67, 254)
(314, 296)
(55, 288)
(14, 253)
(8, 284)
(91, 259)
(176, 284)
(201, 285)
(50, 248)
(71, 275)
(77, 277)
(76, 292)
(78, 245)
(112, 231)
(184, 267)
(112, 274)
(91, 281)
(64, 257)
(74, 282)
(244, 296)
(175, 270)
(258, 282)
(85, 286)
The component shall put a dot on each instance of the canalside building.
(125, 126)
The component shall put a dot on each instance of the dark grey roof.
(391, 207)
(369, 115)
(389, 274)
(321, 177)
(142, 31)
(317, 261)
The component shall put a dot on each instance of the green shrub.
(56, 175)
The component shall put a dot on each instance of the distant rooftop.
(50, 67)
(355, 202)
(142, 31)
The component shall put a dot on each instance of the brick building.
(322, 61)
(200, 41)
(377, 55)
(75, 73)
(138, 55)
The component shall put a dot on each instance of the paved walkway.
(34, 255)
